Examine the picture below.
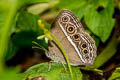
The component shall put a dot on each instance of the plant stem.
(64, 53)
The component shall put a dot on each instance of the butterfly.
(79, 45)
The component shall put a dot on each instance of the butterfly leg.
(64, 66)
(49, 65)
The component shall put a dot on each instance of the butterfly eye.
(65, 18)
(70, 29)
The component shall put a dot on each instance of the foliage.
(116, 74)
(8, 17)
(52, 71)
(19, 27)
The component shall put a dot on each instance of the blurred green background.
(19, 27)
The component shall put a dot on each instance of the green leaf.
(11, 73)
(24, 38)
(27, 30)
(27, 21)
(79, 10)
(115, 74)
(57, 72)
(11, 51)
(101, 23)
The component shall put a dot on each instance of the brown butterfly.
(79, 45)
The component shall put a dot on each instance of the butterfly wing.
(79, 46)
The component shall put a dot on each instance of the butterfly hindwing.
(79, 45)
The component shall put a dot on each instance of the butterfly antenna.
(36, 47)
(40, 47)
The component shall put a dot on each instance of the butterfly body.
(79, 46)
